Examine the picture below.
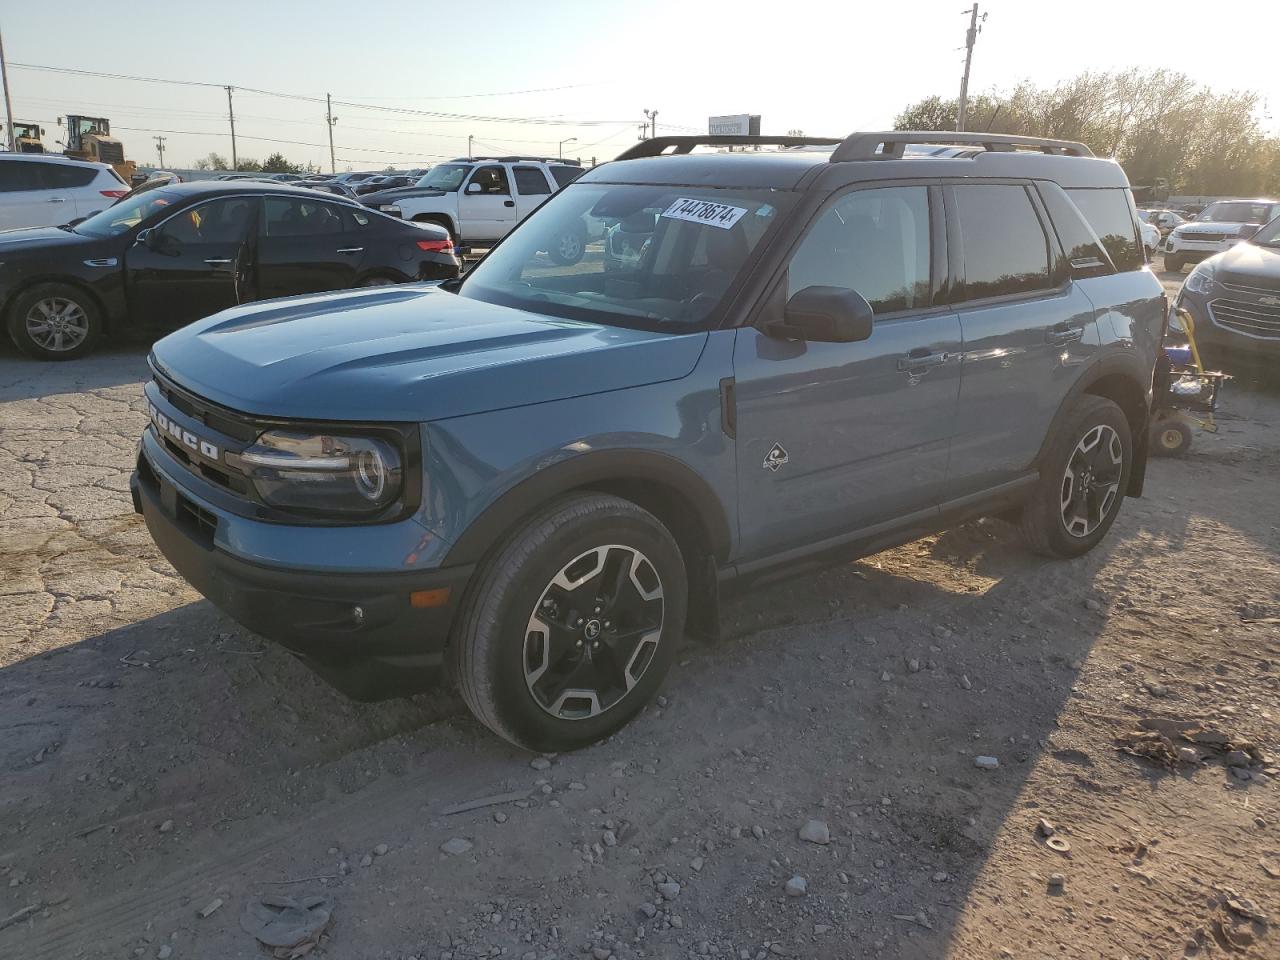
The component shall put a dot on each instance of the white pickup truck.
(479, 199)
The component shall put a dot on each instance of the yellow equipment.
(89, 138)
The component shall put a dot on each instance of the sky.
(572, 70)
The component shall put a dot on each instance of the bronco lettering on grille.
(185, 437)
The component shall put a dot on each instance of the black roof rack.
(887, 145)
(656, 146)
(567, 162)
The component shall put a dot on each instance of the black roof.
(237, 186)
(831, 162)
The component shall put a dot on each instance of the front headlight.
(324, 473)
(1200, 279)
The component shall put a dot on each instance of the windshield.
(650, 257)
(1237, 211)
(126, 214)
(1269, 236)
(447, 176)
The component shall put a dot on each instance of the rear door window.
(1111, 214)
(530, 181)
(65, 176)
(301, 217)
(20, 175)
(1006, 251)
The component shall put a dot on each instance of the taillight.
(114, 194)
(436, 246)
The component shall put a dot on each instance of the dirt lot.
(156, 759)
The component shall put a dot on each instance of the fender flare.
(660, 475)
(1123, 368)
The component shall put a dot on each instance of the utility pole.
(470, 154)
(331, 120)
(652, 117)
(970, 38)
(160, 148)
(231, 113)
(8, 106)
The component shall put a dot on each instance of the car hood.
(38, 238)
(398, 193)
(1250, 265)
(408, 353)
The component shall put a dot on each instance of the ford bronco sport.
(536, 479)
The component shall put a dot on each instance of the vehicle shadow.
(858, 694)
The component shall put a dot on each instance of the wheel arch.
(681, 499)
(440, 219)
(109, 319)
(1122, 382)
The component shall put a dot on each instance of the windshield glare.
(650, 257)
(1237, 212)
(126, 214)
(447, 176)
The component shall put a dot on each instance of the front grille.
(1255, 286)
(1204, 237)
(1255, 320)
(110, 152)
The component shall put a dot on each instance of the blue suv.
(535, 480)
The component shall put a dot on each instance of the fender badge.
(776, 458)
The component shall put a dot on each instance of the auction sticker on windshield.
(704, 211)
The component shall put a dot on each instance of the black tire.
(494, 650)
(1044, 523)
(1173, 263)
(1170, 437)
(378, 280)
(72, 324)
(569, 248)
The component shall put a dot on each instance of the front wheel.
(568, 248)
(54, 321)
(1173, 263)
(571, 624)
(1083, 476)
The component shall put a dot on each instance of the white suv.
(479, 199)
(1220, 226)
(40, 190)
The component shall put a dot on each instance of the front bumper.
(389, 648)
(1192, 250)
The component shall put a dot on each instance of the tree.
(276, 163)
(249, 165)
(1159, 125)
(213, 161)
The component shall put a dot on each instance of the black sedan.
(165, 257)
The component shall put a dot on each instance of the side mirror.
(825, 315)
(474, 188)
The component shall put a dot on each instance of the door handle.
(508, 203)
(56, 200)
(1063, 333)
(218, 263)
(351, 250)
(922, 358)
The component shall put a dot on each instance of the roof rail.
(521, 159)
(656, 146)
(889, 145)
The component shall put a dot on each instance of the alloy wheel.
(570, 246)
(57, 324)
(593, 632)
(1091, 481)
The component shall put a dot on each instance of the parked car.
(1234, 298)
(164, 257)
(479, 199)
(534, 478)
(384, 183)
(43, 190)
(1150, 235)
(330, 186)
(1218, 227)
(1163, 220)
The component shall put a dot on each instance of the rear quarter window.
(1111, 214)
(565, 175)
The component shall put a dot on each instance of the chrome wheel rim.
(593, 632)
(570, 246)
(57, 324)
(1091, 481)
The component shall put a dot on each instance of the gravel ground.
(809, 787)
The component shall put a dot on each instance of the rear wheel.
(1173, 262)
(1082, 481)
(54, 321)
(571, 624)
